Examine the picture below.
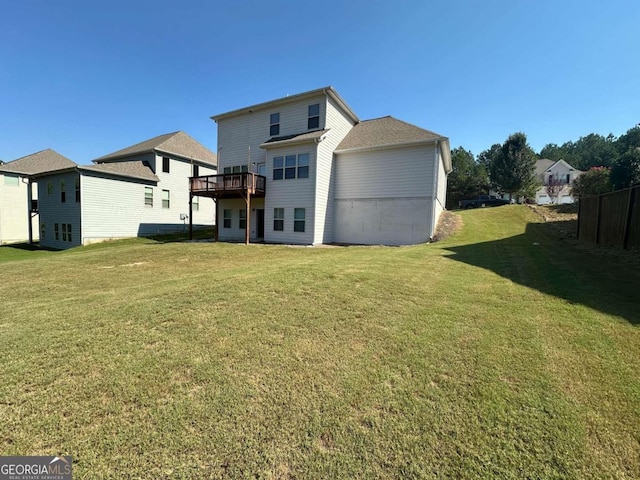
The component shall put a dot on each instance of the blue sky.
(89, 78)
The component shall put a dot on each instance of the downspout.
(436, 167)
(29, 208)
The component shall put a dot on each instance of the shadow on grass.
(538, 260)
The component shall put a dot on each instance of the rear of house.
(327, 176)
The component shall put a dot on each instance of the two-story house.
(137, 191)
(305, 169)
(19, 195)
(556, 179)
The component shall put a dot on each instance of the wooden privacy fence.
(611, 219)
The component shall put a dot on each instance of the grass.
(499, 352)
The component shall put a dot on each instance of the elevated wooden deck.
(228, 185)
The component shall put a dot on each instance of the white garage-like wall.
(385, 196)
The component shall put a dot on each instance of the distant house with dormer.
(305, 169)
(140, 190)
(19, 196)
(559, 173)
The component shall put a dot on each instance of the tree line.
(609, 163)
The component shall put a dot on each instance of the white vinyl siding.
(323, 220)
(53, 211)
(14, 210)
(385, 196)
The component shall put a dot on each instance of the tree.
(592, 182)
(554, 186)
(512, 169)
(629, 140)
(467, 178)
(626, 171)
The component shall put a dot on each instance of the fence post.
(597, 239)
(627, 222)
(579, 215)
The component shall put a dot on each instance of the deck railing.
(229, 183)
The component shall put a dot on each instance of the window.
(56, 232)
(242, 222)
(235, 169)
(77, 187)
(298, 219)
(568, 178)
(165, 198)
(148, 196)
(69, 239)
(278, 171)
(195, 204)
(64, 232)
(11, 181)
(49, 188)
(43, 231)
(303, 165)
(274, 124)
(196, 170)
(291, 166)
(262, 169)
(226, 222)
(314, 116)
(63, 194)
(165, 164)
(278, 219)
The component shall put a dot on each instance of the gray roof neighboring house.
(136, 170)
(543, 165)
(176, 143)
(44, 161)
(389, 132)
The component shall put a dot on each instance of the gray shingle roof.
(40, 162)
(542, 165)
(176, 143)
(124, 169)
(385, 131)
(291, 139)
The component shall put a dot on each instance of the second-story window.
(291, 166)
(165, 164)
(77, 187)
(63, 193)
(274, 124)
(196, 170)
(314, 116)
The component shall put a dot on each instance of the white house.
(305, 169)
(137, 191)
(560, 174)
(19, 196)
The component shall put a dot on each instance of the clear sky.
(87, 78)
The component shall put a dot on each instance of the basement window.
(226, 218)
(278, 219)
(242, 222)
(298, 219)
(165, 198)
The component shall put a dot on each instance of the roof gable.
(385, 132)
(176, 143)
(44, 161)
(328, 91)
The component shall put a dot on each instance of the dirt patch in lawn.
(448, 224)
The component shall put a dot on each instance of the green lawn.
(499, 352)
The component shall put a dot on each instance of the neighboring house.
(19, 196)
(305, 170)
(559, 173)
(137, 191)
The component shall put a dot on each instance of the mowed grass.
(499, 352)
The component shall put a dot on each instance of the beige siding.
(339, 126)
(14, 210)
(390, 173)
(237, 134)
(53, 210)
(291, 194)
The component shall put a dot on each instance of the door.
(260, 220)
